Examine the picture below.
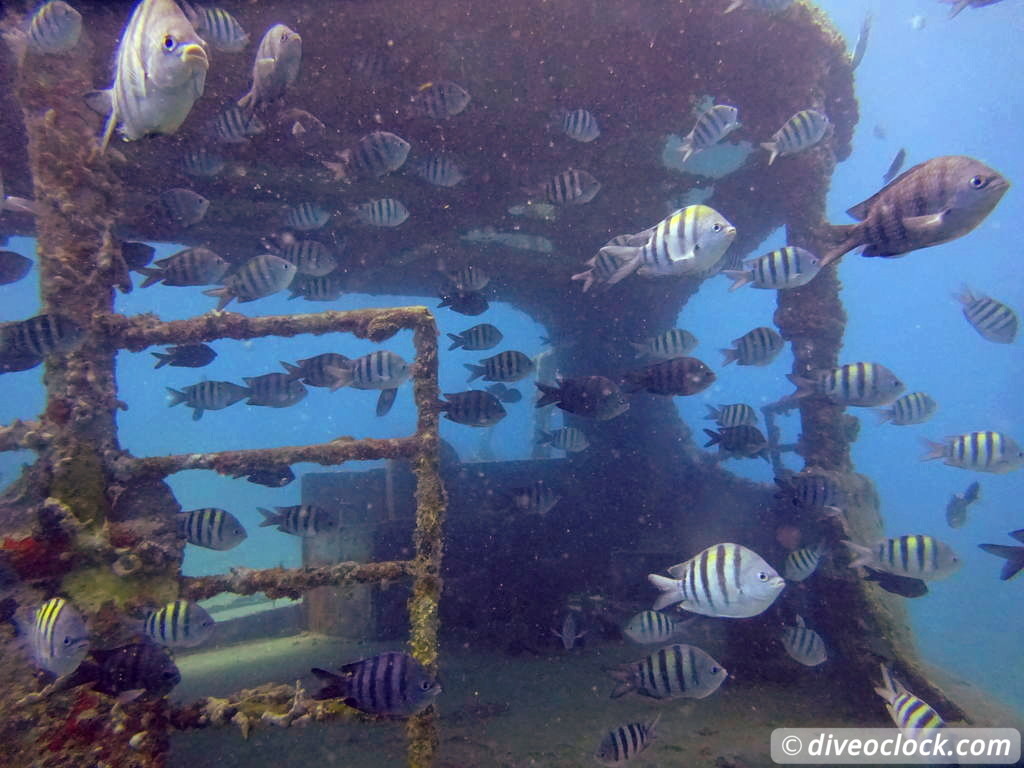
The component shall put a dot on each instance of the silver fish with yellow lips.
(161, 71)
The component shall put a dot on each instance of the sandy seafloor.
(505, 711)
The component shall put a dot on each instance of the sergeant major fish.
(992, 319)
(306, 216)
(218, 27)
(160, 73)
(802, 131)
(859, 384)
(261, 276)
(567, 439)
(677, 671)
(536, 499)
(784, 268)
(743, 441)
(986, 451)
(439, 100)
(474, 408)
(276, 67)
(305, 520)
(54, 28)
(571, 187)
(732, 415)
(375, 155)
(757, 347)
(803, 644)
(126, 673)
(934, 202)
(653, 627)
(184, 207)
(207, 396)
(314, 371)
(272, 476)
(672, 343)
(802, 563)
(578, 124)
(210, 528)
(382, 212)
(908, 712)
(913, 408)
(57, 637)
(179, 624)
(380, 369)
(392, 684)
(477, 338)
(627, 741)
(810, 491)
(192, 266)
(678, 376)
(590, 396)
(507, 366)
(274, 390)
(712, 127)
(915, 556)
(13, 267)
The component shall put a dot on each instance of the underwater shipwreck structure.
(92, 522)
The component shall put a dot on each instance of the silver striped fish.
(276, 67)
(440, 100)
(383, 212)
(260, 276)
(54, 28)
(672, 343)
(578, 124)
(677, 671)
(179, 624)
(391, 683)
(274, 390)
(440, 170)
(474, 408)
(690, 241)
(160, 72)
(305, 520)
(207, 396)
(184, 207)
(711, 127)
(757, 347)
(38, 336)
(907, 711)
(510, 365)
(536, 499)
(306, 216)
(479, 337)
(192, 266)
(234, 126)
(379, 369)
(986, 451)
(733, 415)
(218, 27)
(652, 627)
(310, 257)
(211, 528)
(315, 371)
(802, 131)
(200, 161)
(723, 580)
(994, 320)
(376, 154)
(569, 439)
(468, 279)
(803, 644)
(913, 408)
(916, 556)
(57, 637)
(627, 741)
(810, 491)
(571, 187)
(861, 384)
(783, 268)
(324, 288)
(802, 563)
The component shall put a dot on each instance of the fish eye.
(762, 576)
(717, 228)
(715, 670)
(425, 685)
(169, 43)
(979, 182)
(67, 640)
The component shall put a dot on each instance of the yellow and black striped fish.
(802, 131)
(58, 640)
(723, 580)
(916, 556)
(907, 711)
(179, 624)
(624, 743)
(861, 384)
(994, 320)
(210, 528)
(912, 408)
(677, 671)
(986, 451)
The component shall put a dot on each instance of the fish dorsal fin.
(1018, 535)
(800, 621)
(678, 571)
(860, 210)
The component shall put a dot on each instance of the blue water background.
(951, 87)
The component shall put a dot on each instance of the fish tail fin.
(713, 413)
(176, 397)
(544, 438)
(476, 371)
(884, 415)
(771, 146)
(223, 293)
(716, 438)
(733, 6)
(641, 349)
(1014, 557)
(861, 555)
(334, 686)
(269, 518)
(966, 296)
(457, 341)
(162, 359)
(739, 277)
(844, 237)
(294, 371)
(685, 149)
(804, 386)
(669, 589)
(152, 274)
(587, 277)
(342, 377)
(933, 450)
(627, 256)
(625, 680)
(549, 394)
(729, 356)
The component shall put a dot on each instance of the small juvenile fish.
(315, 371)
(276, 67)
(306, 216)
(591, 396)
(179, 624)
(567, 439)
(861, 384)
(810, 491)
(947, 196)
(757, 347)
(744, 441)
(305, 520)
(769, 6)
(1014, 556)
(310, 257)
(207, 396)
(677, 671)
(802, 563)
(439, 100)
(914, 408)
(788, 267)
(672, 343)
(440, 170)
(210, 528)
(470, 304)
(907, 711)
(57, 637)
(505, 394)
(894, 166)
(507, 366)
(804, 645)
(192, 266)
(680, 376)
(325, 288)
(802, 131)
(271, 477)
(474, 408)
(161, 66)
(578, 124)
(54, 28)
(711, 127)
(627, 741)
(200, 161)
(987, 451)
(897, 585)
(274, 390)
(383, 212)
(568, 633)
(536, 499)
(261, 276)
(916, 556)
(376, 154)
(234, 126)
(38, 336)
(183, 206)
(992, 319)
(218, 27)
(13, 267)
(861, 46)
(477, 338)
(748, 585)
(391, 683)
(127, 672)
(732, 415)
(956, 509)
(571, 187)
(652, 627)
(185, 356)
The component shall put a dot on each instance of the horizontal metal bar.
(23, 435)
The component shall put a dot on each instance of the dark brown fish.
(676, 376)
(593, 396)
(13, 267)
(136, 255)
(934, 202)
(465, 303)
(185, 356)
